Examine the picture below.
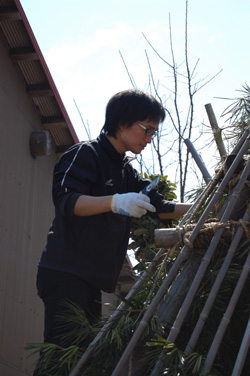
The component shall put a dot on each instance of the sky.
(80, 41)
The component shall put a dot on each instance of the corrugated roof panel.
(47, 105)
(32, 72)
(61, 136)
(27, 57)
(6, 2)
(15, 34)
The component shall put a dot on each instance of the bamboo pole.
(211, 185)
(215, 289)
(170, 304)
(187, 217)
(168, 237)
(241, 141)
(79, 366)
(198, 160)
(216, 130)
(86, 355)
(242, 352)
(205, 261)
(175, 268)
(227, 316)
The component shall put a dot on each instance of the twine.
(185, 231)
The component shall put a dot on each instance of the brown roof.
(28, 59)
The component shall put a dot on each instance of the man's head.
(130, 106)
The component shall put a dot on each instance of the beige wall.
(26, 212)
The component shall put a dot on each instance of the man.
(96, 192)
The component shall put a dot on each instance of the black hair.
(129, 106)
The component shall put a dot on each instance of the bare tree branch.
(130, 77)
(87, 129)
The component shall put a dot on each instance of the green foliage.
(239, 115)
(165, 186)
(174, 361)
(60, 361)
(55, 360)
(227, 352)
(239, 109)
(142, 229)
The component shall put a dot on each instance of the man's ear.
(121, 127)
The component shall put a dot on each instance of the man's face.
(136, 137)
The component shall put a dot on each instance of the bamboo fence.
(162, 298)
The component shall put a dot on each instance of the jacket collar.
(113, 153)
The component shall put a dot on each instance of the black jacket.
(92, 247)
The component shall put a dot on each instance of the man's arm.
(179, 210)
(90, 205)
(131, 204)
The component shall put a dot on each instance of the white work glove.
(131, 204)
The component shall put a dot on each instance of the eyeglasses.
(149, 131)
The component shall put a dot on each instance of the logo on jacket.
(109, 183)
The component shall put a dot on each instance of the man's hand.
(131, 204)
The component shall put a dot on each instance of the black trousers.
(54, 287)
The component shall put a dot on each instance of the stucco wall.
(26, 212)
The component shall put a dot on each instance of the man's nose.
(148, 139)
